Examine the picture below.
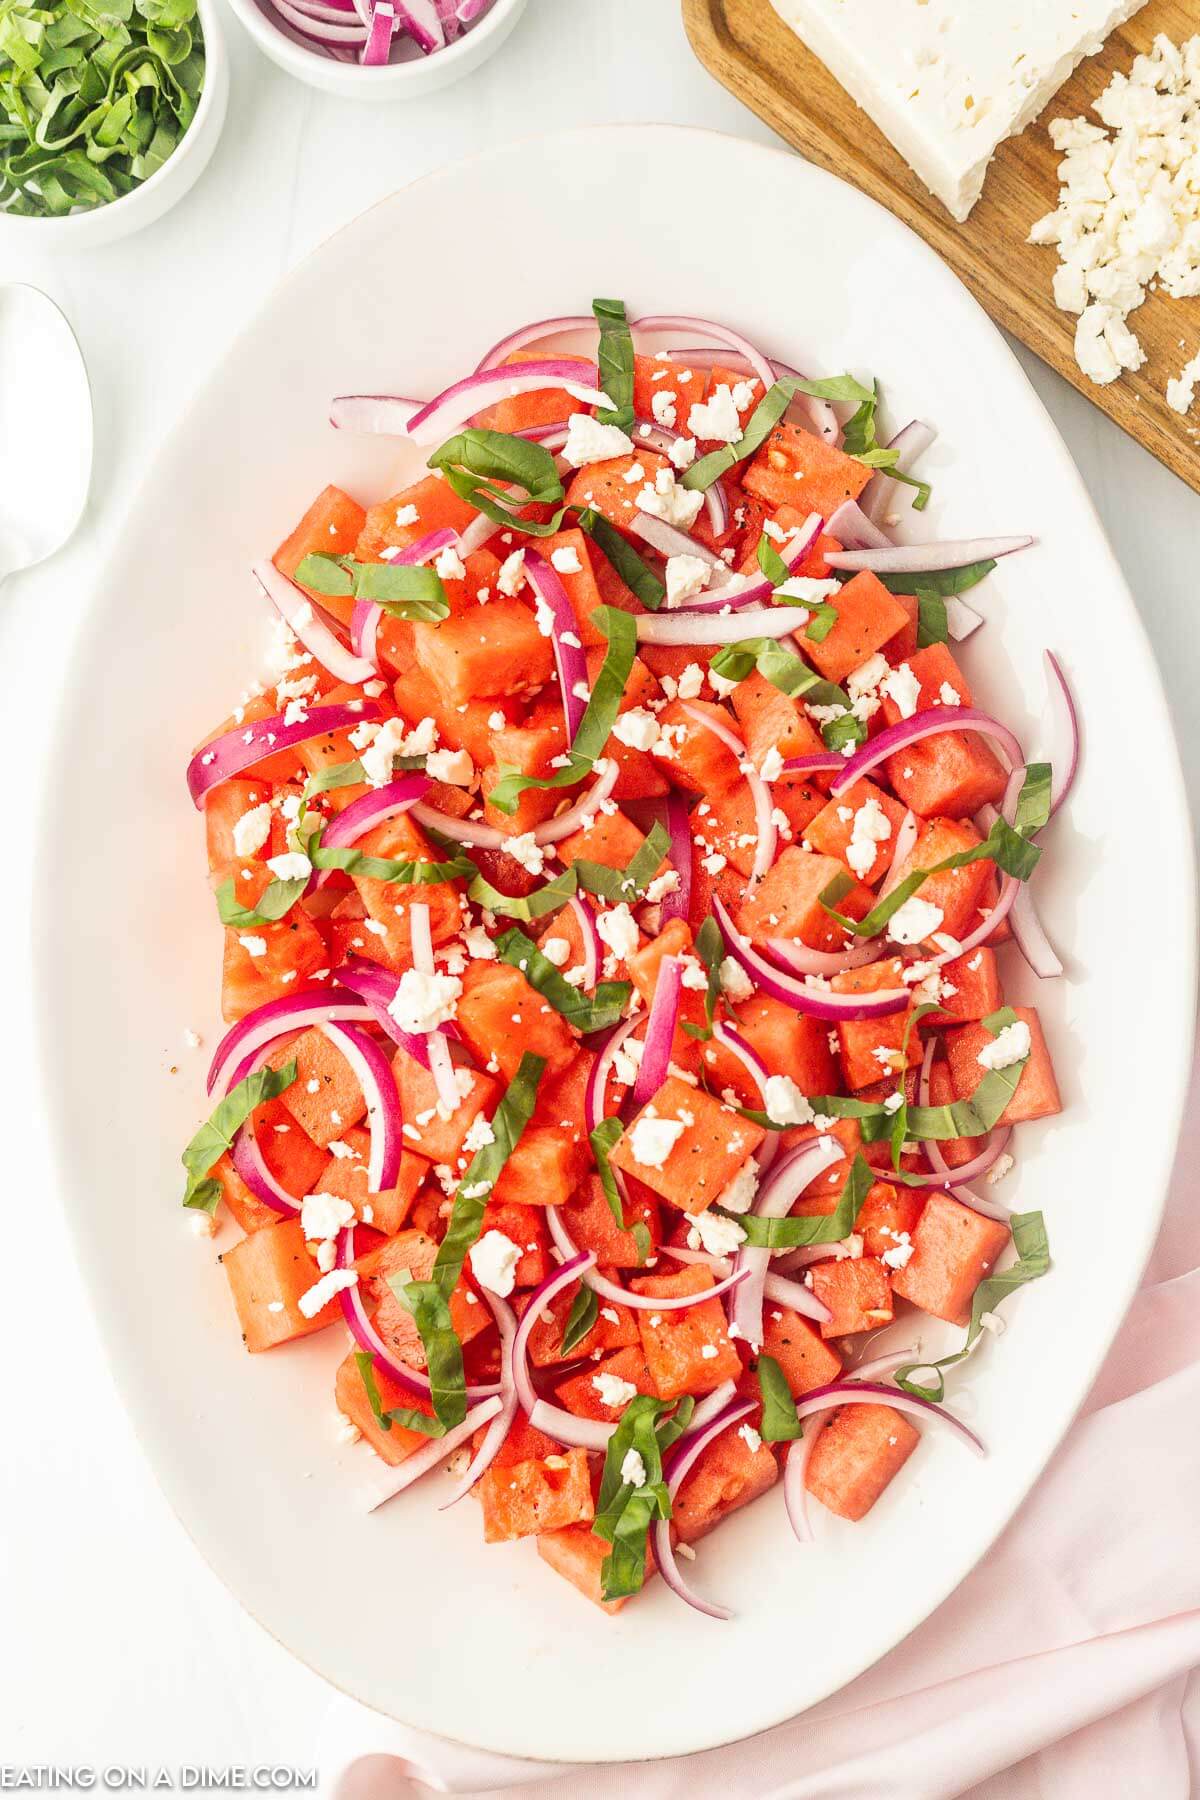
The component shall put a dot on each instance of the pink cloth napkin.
(1064, 1666)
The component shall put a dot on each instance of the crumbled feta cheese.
(633, 1469)
(735, 983)
(450, 565)
(686, 577)
(784, 1103)
(739, 1194)
(1000, 1168)
(716, 417)
(323, 1291)
(651, 1140)
(1009, 1046)
(613, 1391)
(292, 866)
(588, 441)
(913, 922)
(253, 945)
(719, 1236)
(902, 686)
(690, 682)
(530, 855)
(324, 1215)
(618, 929)
(750, 1438)
(678, 506)
(478, 944)
(511, 578)
(494, 1259)
(662, 405)
(566, 560)
(637, 727)
(871, 828)
(452, 766)
(683, 453)
(479, 1135)
(423, 1002)
(1181, 389)
(252, 830)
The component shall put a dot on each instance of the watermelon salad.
(619, 887)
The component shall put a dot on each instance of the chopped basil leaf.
(276, 899)
(710, 948)
(844, 732)
(615, 361)
(624, 1513)
(586, 1015)
(833, 1106)
(1033, 1261)
(508, 1122)
(215, 1137)
(631, 882)
(634, 571)
(585, 1310)
(599, 717)
(823, 1228)
(976, 1116)
(603, 1142)
(932, 626)
(1009, 849)
(844, 390)
(337, 775)
(780, 1423)
(771, 563)
(404, 590)
(473, 461)
(824, 618)
(858, 433)
(781, 668)
(525, 907)
(406, 1416)
(430, 1310)
(899, 1121)
(939, 581)
(407, 872)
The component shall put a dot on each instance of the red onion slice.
(918, 559)
(436, 1047)
(378, 47)
(245, 745)
(706, 627)
(532, 334)
(800, 960)
(774, 1199)
(930, 723)
(362, 815)
(854, 530)
(822, 764)
(555, 1421)
(266, 1024)
(565, 641)
(795, 1476)
(677, 904)
(363, 1331)
(324, 31)
(882, 489)
(382, 415)
(691, 1446)
(248, 1159)
(428, 1457)
(1064, 729)
(462, 400)
(776, 1287)
(612, 1290)
(501, 1425)
(709, 328)
(1030, 936)
(744, 590)
(597, 1086)
(670, 541)
(593, 951)
(872, 1393)
(373, 1072)
(759, 1074)
(297, 611)
(421, 20)
(660, 1031)
(817, 1003)
(472, 833)
(764, 811)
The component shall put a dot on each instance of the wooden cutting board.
(749, 49)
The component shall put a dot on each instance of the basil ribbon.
(624, 1513)
(403, 590)
(1033, 1261)
(599, 1013)
(215, 1137)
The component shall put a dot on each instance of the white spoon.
(45, 429)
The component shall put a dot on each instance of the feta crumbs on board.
(1128, 216)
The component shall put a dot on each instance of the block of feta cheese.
(949, 80)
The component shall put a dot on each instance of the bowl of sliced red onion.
(379, 49)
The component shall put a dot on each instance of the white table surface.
(119, 1645)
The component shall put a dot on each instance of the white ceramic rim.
(1170, 1093)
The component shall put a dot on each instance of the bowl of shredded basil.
(109, 110)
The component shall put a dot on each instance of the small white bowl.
(103, 224)
(419, 74)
